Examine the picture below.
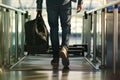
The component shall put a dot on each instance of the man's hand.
(79, 8)
(39, 11)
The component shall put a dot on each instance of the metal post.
(5, 38)
(8, 38)
(103, 36)
(16, 35)
(85, 18)
(115, 38)
(1, 37)
(83, 30)
(89, 35)
(23, 36)
(94, 37)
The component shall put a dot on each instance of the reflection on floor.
(39, 68)
(43, 63)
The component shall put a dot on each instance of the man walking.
(59, 9)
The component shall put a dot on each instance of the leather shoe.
(55, 61)
(64, 56)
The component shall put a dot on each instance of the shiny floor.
(39, 68)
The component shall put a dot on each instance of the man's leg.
(65, 17)
(54, 36)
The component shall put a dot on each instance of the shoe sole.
(53, 63)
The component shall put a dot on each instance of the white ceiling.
(32, 3)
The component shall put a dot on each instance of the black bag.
(36, 36)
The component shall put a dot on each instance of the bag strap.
(43, 34)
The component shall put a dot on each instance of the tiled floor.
(39, 68)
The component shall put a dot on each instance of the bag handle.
(44, 34)
(39, 15)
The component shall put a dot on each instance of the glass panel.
(19, 34)
(76, 28)
(98, 52)
(15, 37)
(5, 38)
(12, 37)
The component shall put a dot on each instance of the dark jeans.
(62, 12)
